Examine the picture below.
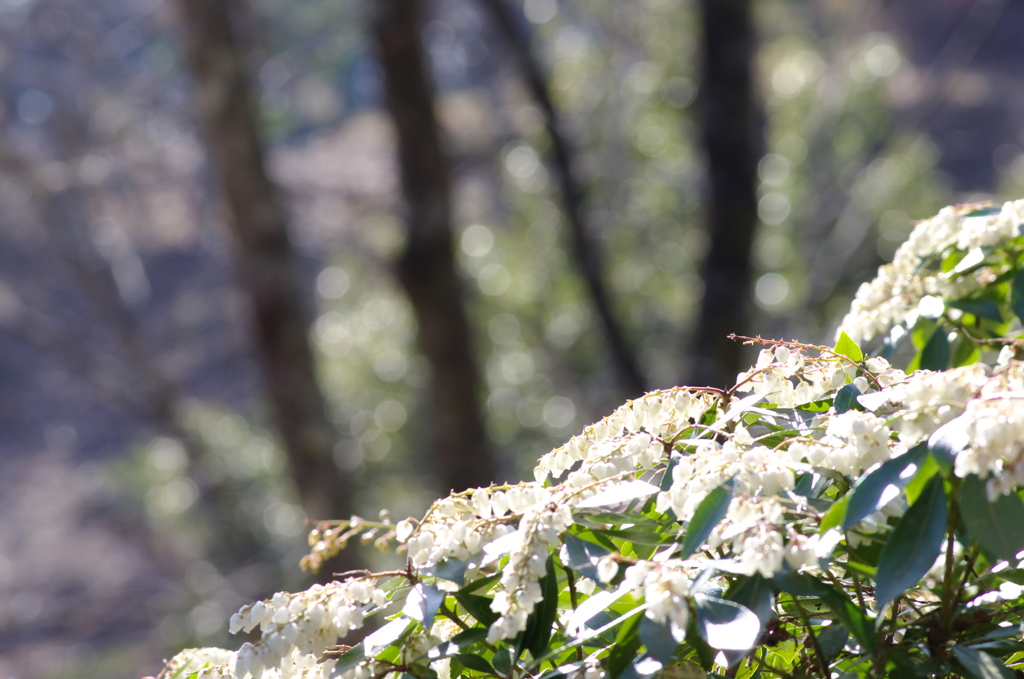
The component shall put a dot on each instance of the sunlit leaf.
(847, 347)
(660, 638)
(380, 639)
(981, 665)
(914, 543)
(423, 603)
(475, 663)
(799, 584)
(625, 491)
(875, 490)
(726, 624)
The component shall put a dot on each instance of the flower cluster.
(894, 296)
(294, 626)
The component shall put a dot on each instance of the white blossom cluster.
(659, 414)
(896, 293)
(294, 626)
(992, 431)
(666, 589)
(216, 663)
(853, 442)
(927, 399)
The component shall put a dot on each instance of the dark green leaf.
(584, 555)
(799, 584)
(847, 347)
(915, 542)
(846, 398)
(450, 569)
(982, 308)
(925, 472)
(627, 643)
(475, 662)
(726, 624)
(481, 583)
(831, 640)
(502, 661)
(935, 355)
(966, 353)
(981, 665)
(874, 490)
(754, 592)
(1017, 295)
(478, 606)
(709, 512)
(538, 627)
(997, 526)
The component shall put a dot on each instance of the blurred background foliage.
(144, 492)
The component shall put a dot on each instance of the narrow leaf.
(726, 625)
(997, 526)
(475, 662)
(709, 512)
(982, 308)
(348, 660)
(876, 489)
(847, 347)
(914, 543)
(981, 665)
(625, 491)
(477, 606)
(538, 627)
(947, 441)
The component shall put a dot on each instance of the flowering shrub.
(830, 515)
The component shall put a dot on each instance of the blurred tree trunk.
(585, 250)
(733, 141)
(264, 256)
(426, 267)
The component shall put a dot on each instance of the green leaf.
(982, 308)
(831, 640)
(846, 398)
(1017, 295)
(800, 584)
(929, 468)
(502, 661)
(880, 486)
(835, 515)
(477, 606)
(726, 625)
(624, 491)
(475, 663)
(936, 354)
(449, 569)
(627, 643)
(981, 665)
(380, 639)
(847, 347)
(915, 542)
(538, 628)
(754, 592)
(709, 512)
(966, 353)
(997, 526)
